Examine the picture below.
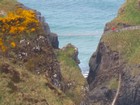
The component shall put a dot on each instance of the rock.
(72, 51)
(2, 13)
(39, 56)
(46, 28)
(33, 66)
(93, 69)
(105, 66)
(53, 38)
(139, 4)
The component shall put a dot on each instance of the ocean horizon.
(79, 22)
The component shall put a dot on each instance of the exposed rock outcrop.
(34, 71)
(53, 38)
(104, 67)
(76, 84)
(113, 78)
(103, 79)
(72, 52)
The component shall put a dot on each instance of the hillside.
(33, 71)
(114, 77)
(128, 15)
(6, 6)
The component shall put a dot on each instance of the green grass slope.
(129, 14)
(71, 74)
(18, 86)
(127, 42)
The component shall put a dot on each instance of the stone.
(53, 38)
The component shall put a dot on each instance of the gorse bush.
(15, 25)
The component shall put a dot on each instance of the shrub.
(15, 25)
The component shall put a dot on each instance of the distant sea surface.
(80, 22)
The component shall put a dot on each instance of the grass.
(113, 84)
(125, 42)
(129, 13)
(7, 5)
(19, 86)
(71, 74)
(30, 89)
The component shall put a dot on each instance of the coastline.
(77, 23)
(111, 78)
(35, 70)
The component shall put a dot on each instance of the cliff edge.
(114, 77)
(33, 70)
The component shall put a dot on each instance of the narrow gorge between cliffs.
(78, 22)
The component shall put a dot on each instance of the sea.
(79, 22)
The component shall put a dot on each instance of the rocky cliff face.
(53, 38)
(33, 71)
(104, 70)
(114, 68)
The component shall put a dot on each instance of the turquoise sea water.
(80, 22)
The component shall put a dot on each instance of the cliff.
(33, 71)
(114, 77)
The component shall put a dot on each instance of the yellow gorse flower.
(13, 44)
(1, 43)
(33, 29)
(3, 48)
(19, 21)
(15, 24)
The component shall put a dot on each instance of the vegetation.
(126, 42)
(113, 84)
(14, 25)
(18, 86)
(128, 14)
(6, 6)
(71, 74)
